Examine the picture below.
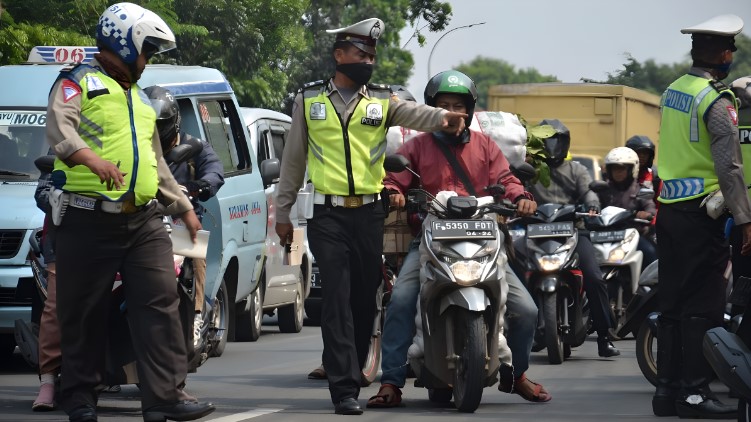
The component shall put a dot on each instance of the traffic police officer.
(700, 154)
(109, 169)
(338, 129)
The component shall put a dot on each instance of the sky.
(569, 39)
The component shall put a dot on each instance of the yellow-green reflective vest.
(118, 126)
(744, 134)
(346, 158)
(686, 165)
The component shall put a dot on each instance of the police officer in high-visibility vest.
(339, 131)
(108, 172)
(741, 87)
(699, 154)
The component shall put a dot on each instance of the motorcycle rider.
(569, 184)
(202, 177)
(700, 153)
(622, 167)
(484, 165)
(645, 150)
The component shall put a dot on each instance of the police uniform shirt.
(726, 154)
(63, 119)
(400, 113)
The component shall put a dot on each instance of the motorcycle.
(120, 357)
(550, 262)
(464, 255)
(728, 353)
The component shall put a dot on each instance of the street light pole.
(430, 57)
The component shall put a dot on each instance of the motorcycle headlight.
(467, 272)
(552, 262)
(617, 254)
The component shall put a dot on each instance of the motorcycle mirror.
(45, 163)
(188, 148)
(646, 193)
(395, 163)
(524, 172)
(599, 186)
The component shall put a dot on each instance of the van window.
(278, 137)
(223, 129)
(22, 140)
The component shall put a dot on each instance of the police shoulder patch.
(718, 85)
(312, 84)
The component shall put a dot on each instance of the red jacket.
(481, 159)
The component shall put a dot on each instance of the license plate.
(315, 279)
(463, 229)
(559, 229)
(607, 236)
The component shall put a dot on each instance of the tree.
(393, 64)
(655, 78)
(487, 72)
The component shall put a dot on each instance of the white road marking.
(250, 414)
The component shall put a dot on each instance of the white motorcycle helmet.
(128, 29)
(623, 156)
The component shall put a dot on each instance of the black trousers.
(594, 286)
(693, 255)
(348, 246)
(92, 246)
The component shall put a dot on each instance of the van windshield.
(22, 140)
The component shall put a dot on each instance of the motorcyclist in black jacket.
(202, 176)
(569, 184)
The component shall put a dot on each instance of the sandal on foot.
(539, 394)
(388, 395)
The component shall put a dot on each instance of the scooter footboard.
(730, 358)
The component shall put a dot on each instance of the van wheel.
(291, 316)
(220, 321)
(248, 327)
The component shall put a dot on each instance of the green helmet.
(452, 82)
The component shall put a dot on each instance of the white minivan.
(286, 278)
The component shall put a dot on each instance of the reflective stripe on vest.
(346, 161)
(118, 126)
(686, 164)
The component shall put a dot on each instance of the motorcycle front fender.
(546, 284)
(470, 298)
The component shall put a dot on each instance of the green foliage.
(536, 153)
(655, 78)
(487, 72)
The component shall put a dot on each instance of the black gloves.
(199, 188)
(593, 207)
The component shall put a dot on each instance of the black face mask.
(451, 139)
(360, 73)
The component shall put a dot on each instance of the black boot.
(696, 400)
(669, 359)
(605, 347)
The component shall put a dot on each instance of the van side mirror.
(395, 163)
(270, 170)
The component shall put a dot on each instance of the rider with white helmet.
(108, 170)
(622, 168)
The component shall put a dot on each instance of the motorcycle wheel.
(469, 374)
(219, 322)
(744, 411)
(553, 337)
(646, 352)
(373, 361)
